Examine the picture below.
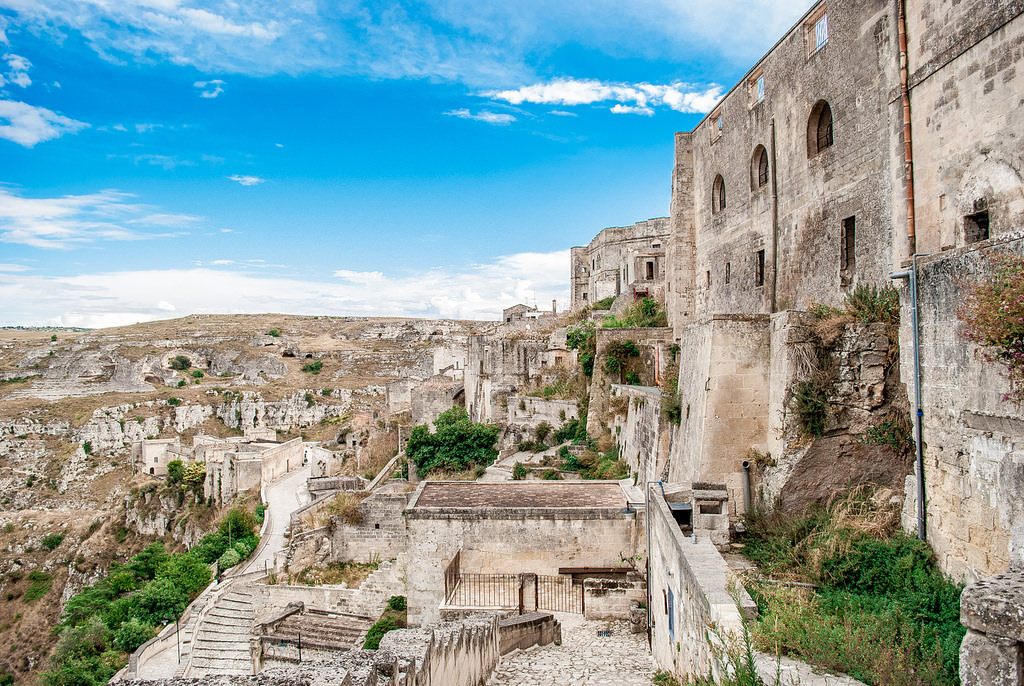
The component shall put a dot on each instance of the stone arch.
(759, 168)
(718, 195)
(820, 131)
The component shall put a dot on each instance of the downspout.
(918, 412)
(775, 225)
(747, 497)
(908, 151)
(650, 614)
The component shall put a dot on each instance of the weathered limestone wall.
(509, 541)
(690, 588)
(640, 436)
(612, 598)
(965, 91)
(380, 535)
(497, 367)
(434, 396)
(992, 652)
(653, 343)
(462, 653)
(724, 390)
(279, 460)
(525, 412)
(974, 463)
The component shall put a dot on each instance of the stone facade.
(621, 259)
(992, 653)
(642, 435)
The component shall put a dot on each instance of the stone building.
(827, 166)
(620, 259)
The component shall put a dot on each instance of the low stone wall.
(612, 598)
(527, 411)
(368, 600)
(642, 442)
(992, 653)
(530, 629)
(456, 654)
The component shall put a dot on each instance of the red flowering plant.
(993, 316)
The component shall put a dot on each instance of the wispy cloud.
(482, 44)
(28, 125)
(209, 89)
(168, 162)
(634, 98)
(13, 268)
(109, 299)
(16, 72)
(562, 113)
(74, 220)
(497, 118)
(246, 180)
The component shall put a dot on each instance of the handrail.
(388, 469)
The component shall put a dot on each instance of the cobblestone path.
(585, 657)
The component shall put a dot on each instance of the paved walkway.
(284, 496)
(585, 657)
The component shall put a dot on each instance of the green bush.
(397, 603)
(180, 363)
(519, 471)
(175, 471)
(869, 303)
(604, 303)
(310, 400)
(644, 313)
(174, 402)
(617, 353)
(313, 367)
(198, 374)
(51, 541)
(457, 445)
(87, 447)
(229, 559)
(158, 600)
(132, 634)
(542, 431)
(187, 571)
(810, 405)
(274, 333)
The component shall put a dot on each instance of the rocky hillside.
(71, 403)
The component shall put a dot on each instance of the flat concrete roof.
(521, 494)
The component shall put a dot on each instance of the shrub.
(542, 431)
(604, 303)
(325, 392)
(869, 303)
(313, 367)
(397, 603)
(188, 573)
(51, 541)
(132, 634)
(198, 374)
(519, 471)
(457, 445)
(551, 475)
(194, 476)
(87, 447)
(175, 471)
(180, 363)
(993, 316)
(181, 383)
(644, 313)
(238, 524)
(377, 631)
(617, 353)
(310, 400)
(229, 559)
(810, 404)
(274, 333)
(158, 601)
(53, 338)
(174, 402)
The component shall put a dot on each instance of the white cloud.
(13, 268)
(146, 128)
(109, 299)
(166, 306)
(17, 71)
(246, 180)
(562, 113)
(75, 220)
(167, 162)
(209, 89)
(482, 44)
(497, 118)
(638, 98)
(28, 125)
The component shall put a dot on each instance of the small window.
(716, 126)
(718, 195)
(816, 31)
(847, 251)
(755, 88)
(671, 615)
(819, 129)
(728, 271)
(650, 271)
(584, 297)
(976, 227)
(760, 88)
(759, 269)
(708, 276)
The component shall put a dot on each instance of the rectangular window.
(709, 278)
(847, 251)
(650, 271)
(759, 269)
(728, 271)
(760, 88)
(821, 32)
(976, 227)
(716, 125)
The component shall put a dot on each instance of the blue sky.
(438, 158)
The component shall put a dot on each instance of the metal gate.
(559, 594)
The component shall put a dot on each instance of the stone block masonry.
(992, 653)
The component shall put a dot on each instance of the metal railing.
(486, 591)
(559, 594)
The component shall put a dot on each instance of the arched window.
(819, 128)
(759, 168)
(718, 195)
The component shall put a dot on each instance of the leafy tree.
(457, 445)
(132, 634)
(194, 476)
(187, 572)
(175, 471)
(145, 564)
(180, 363)
(229, 559)
(158, 600)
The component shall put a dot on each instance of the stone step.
(229, 651)
(228, 612)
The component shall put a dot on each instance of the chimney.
(554, 307)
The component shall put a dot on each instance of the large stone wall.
(992, 652)
(704, 595)
(642, 435)
(498, 366)
(965, 92)
(381, 533)
(616, 258)
(974, 463)
(653, 343)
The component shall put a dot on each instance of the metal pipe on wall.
(775, 224)
(746, 486)
(908, 148)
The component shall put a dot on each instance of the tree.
(180, 363)
(157, 601)
(457, 444)
(175, 471)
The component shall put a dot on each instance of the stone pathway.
(584, 657)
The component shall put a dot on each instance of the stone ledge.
(995, 605)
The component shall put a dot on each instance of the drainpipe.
(775, 225)
(908, 152)
(918, 412)
(746, 486)
(650, 614)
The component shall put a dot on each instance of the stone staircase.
(222, 643)
(324, 631)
